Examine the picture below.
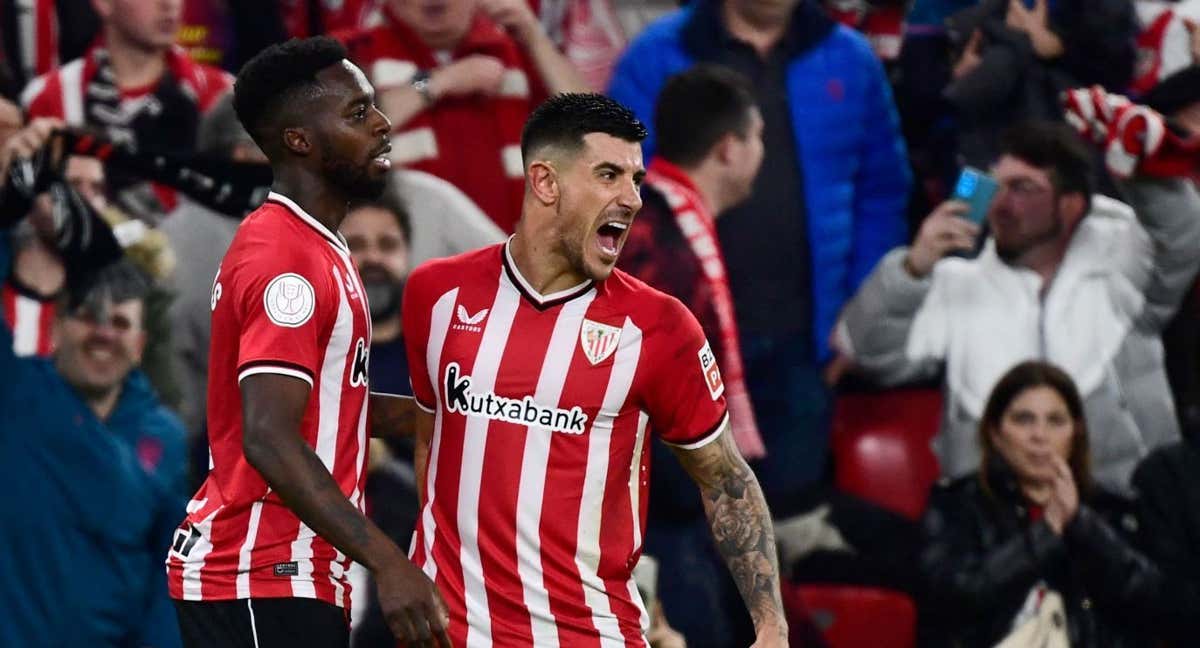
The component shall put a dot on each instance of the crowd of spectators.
(800, 200)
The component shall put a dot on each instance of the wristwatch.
(420, 83)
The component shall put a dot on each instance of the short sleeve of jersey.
(284, 304)
(685, 396)
(416, 317)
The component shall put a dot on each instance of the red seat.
(851, 616)
(881, 447)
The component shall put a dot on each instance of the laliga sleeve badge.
(711, 372)
(289, 300)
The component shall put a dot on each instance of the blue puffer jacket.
(87, 509)
(855, 168)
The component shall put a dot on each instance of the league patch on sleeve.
(711, 372)
(289, 300)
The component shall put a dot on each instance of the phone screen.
(977, 189)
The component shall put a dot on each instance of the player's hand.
(412, 606)
(944, 231)
(474, 74)
(515, 16)
(772, 636)
(26, 142)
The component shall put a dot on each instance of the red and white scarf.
(698, 226)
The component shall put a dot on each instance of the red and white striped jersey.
(30, 319)
(537, 476)
(286, 300)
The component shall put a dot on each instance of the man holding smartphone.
(1083, 281)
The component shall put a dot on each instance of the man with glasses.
(1083, 281)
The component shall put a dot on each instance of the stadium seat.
(851, 616)
(881, 447)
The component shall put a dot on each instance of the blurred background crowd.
(976, 424)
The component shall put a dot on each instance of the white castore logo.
(468, 322)
(289, 300)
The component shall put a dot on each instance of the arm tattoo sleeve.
(740, 523)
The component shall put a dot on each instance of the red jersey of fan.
(536, 480)
(286, 300)
(30, 318)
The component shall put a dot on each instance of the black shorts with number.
(262, 623)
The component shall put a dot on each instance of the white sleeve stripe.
(700, 443)
(427, 410)
(272, 369)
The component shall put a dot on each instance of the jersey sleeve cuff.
(277, 369)
(708, 437)
(426, 408)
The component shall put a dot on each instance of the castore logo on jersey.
(468, 322)
(459, 398)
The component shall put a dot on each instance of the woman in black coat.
(1030, 522)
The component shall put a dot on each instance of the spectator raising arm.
(557, 72)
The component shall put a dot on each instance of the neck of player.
(541, 262)
(313, 194)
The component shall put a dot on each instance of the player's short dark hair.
(1054, 147)
(697, 108)
(563, 120)
(276, 77)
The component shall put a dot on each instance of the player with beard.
(541, 369)
(261, 558)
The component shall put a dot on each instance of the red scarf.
(699, 228)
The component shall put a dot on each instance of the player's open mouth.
(609, 235)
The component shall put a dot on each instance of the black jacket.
(983, 554)
(1012, 84)
(1168, 485)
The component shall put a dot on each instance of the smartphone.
(977, 189)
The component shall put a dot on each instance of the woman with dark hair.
(1006, 545)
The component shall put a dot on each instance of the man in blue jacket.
(827, 205)
(91, 464)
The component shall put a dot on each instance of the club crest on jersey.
(598, 340)
(289, 300)
(712, 373)
(469, 322)
(460, 398)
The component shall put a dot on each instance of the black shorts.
(262, 623)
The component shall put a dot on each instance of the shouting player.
(541, 370)
(261, 558)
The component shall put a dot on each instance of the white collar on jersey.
(334, 237)
(542, 301)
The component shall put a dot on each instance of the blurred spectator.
(37, 35)
(135, 85)
(97, 457)
(1030, 532)
(827, 205)
(588, 32)
(377, 235)
(200, 237)
(444, 220)
(1168, 486)
(37, 276)
(881, 21)
(1016, 56)
(707, 161)
(458, 78)
(227, 34)
(304, 18)
(1080, 280)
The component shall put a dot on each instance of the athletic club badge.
(598, 340)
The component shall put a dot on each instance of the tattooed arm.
(741, 527)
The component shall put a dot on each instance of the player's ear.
(543, 181)
(297, 141)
